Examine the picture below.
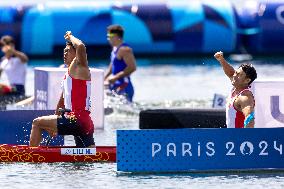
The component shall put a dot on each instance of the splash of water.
(119, 104)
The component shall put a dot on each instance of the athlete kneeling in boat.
(240, 107)
(75, 97)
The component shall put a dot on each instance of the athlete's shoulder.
(247, 93)
(246, 98)
(125, 49)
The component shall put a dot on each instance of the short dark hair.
(7, 40)
(116, 29)
(249, 71)
(70, 43)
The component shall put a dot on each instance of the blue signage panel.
(176, 150)
(41, 90)
(16, 127)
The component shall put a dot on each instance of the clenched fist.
(219, 55)
(68, 35)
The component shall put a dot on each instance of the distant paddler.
(241, 102)
(72, 115)
(122, 63)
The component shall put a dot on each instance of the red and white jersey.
(234, 117)
(76, 93)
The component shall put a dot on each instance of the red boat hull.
(24, 153)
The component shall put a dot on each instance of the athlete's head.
(115, 34)
(69, 53)
(244, 75)
(7, 43)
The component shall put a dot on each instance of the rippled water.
(103, 175)
(159, 83)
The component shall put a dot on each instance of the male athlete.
(240, 105)
(122, 63)
(14, 65)
(73, 109)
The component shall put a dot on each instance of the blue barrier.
(11, 22)
(180, 150)
(15, 127)
(271, 40)
(160, 27)
(174, 27)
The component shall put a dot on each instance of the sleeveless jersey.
(117, 66)
(234, 117)
(77, 94)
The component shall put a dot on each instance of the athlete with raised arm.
(72, 115)
(240, 107)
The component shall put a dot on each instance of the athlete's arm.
(60, 104)
(127, 55)
(247, 107)
(22, 56)
(10, 49)
(129, 59)
(81, 54)
(228, 69)
(108, 71)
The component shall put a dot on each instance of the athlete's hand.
(68, 35)
(106, 83)
(111, 79)
(53, 134)
(219, 55)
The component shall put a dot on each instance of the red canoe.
(24, 153)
